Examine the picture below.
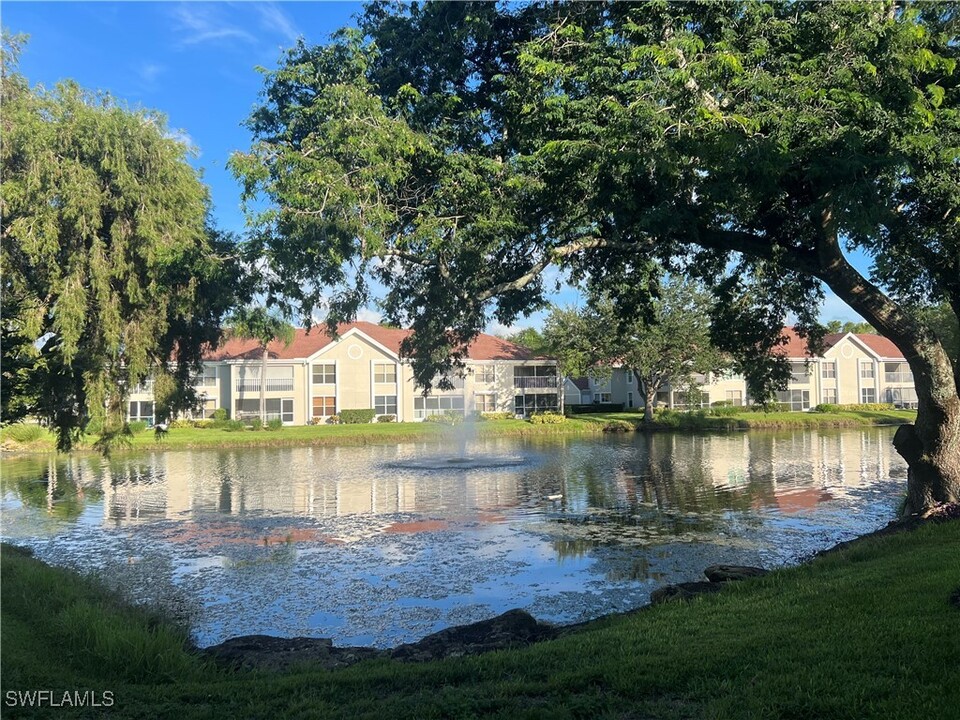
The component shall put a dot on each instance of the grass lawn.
(866, 632)
(377, 433)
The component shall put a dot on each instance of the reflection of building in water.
(311, 482)
(789, 469)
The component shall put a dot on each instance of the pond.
(379, 545)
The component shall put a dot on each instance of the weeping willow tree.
(111, 273)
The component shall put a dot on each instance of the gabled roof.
(307, 343)
(583, 383)
(796, 347)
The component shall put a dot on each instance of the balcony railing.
(550, 382)
(273, 384)
(898, 377)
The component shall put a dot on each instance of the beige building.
(859, 368)
(316, 376)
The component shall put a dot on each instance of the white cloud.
(368, 315)
(204, 23)
(498, 328)
(183, 137)
(273, 18)
(149, 72)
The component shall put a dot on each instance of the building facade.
(316, 377)
(854, 368)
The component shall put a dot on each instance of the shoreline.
(394, 433)
(819, 637)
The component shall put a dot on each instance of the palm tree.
(256, 323)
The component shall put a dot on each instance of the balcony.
(246, 385)
(544, 382)
(898, 378)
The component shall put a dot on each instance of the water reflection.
(387, 548)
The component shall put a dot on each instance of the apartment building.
(854, 368)
(317, 376)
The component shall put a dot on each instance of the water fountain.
(454, 455)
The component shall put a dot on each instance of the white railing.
(273, 384)
(544, 381)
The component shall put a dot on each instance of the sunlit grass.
(40, 440)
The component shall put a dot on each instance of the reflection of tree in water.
(60, 486)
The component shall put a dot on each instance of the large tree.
(456, 151)
(666, 347)
(110, 271)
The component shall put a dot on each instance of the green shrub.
(26, 432)
(137, 426)
(447, 417)
(221, 414)
(547, 418)
(827, 408)
(204, 424)
(868, 407)
(387, 418)
(180, 423)
(618, 426)
(724, 410)
(274, 424)
(255, 423)
(497, 416)
(356, 417)
(232, 425)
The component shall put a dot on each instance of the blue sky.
(195, 63)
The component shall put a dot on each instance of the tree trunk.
(263, 388)
(649, 396)
(931, 447)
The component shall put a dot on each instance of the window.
(436, 405)
(485, 374)
(527, 404)
(828, 369)
(629, 399)
(141, 410)
(830, 396)
(866, 371)
(485, 402)
(325, 374)
(384, 373)
(601, 397)
(662, 398)
(249, 408)
(868, 395)
(630, 379)
(324, 406)
(205, 408)
(794, 399)
(207, 378)
(897, 373)
(735, 397)
(798, 373)
(696, 399)
(385, 404)
(901, 397)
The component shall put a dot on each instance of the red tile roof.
(306, 343)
